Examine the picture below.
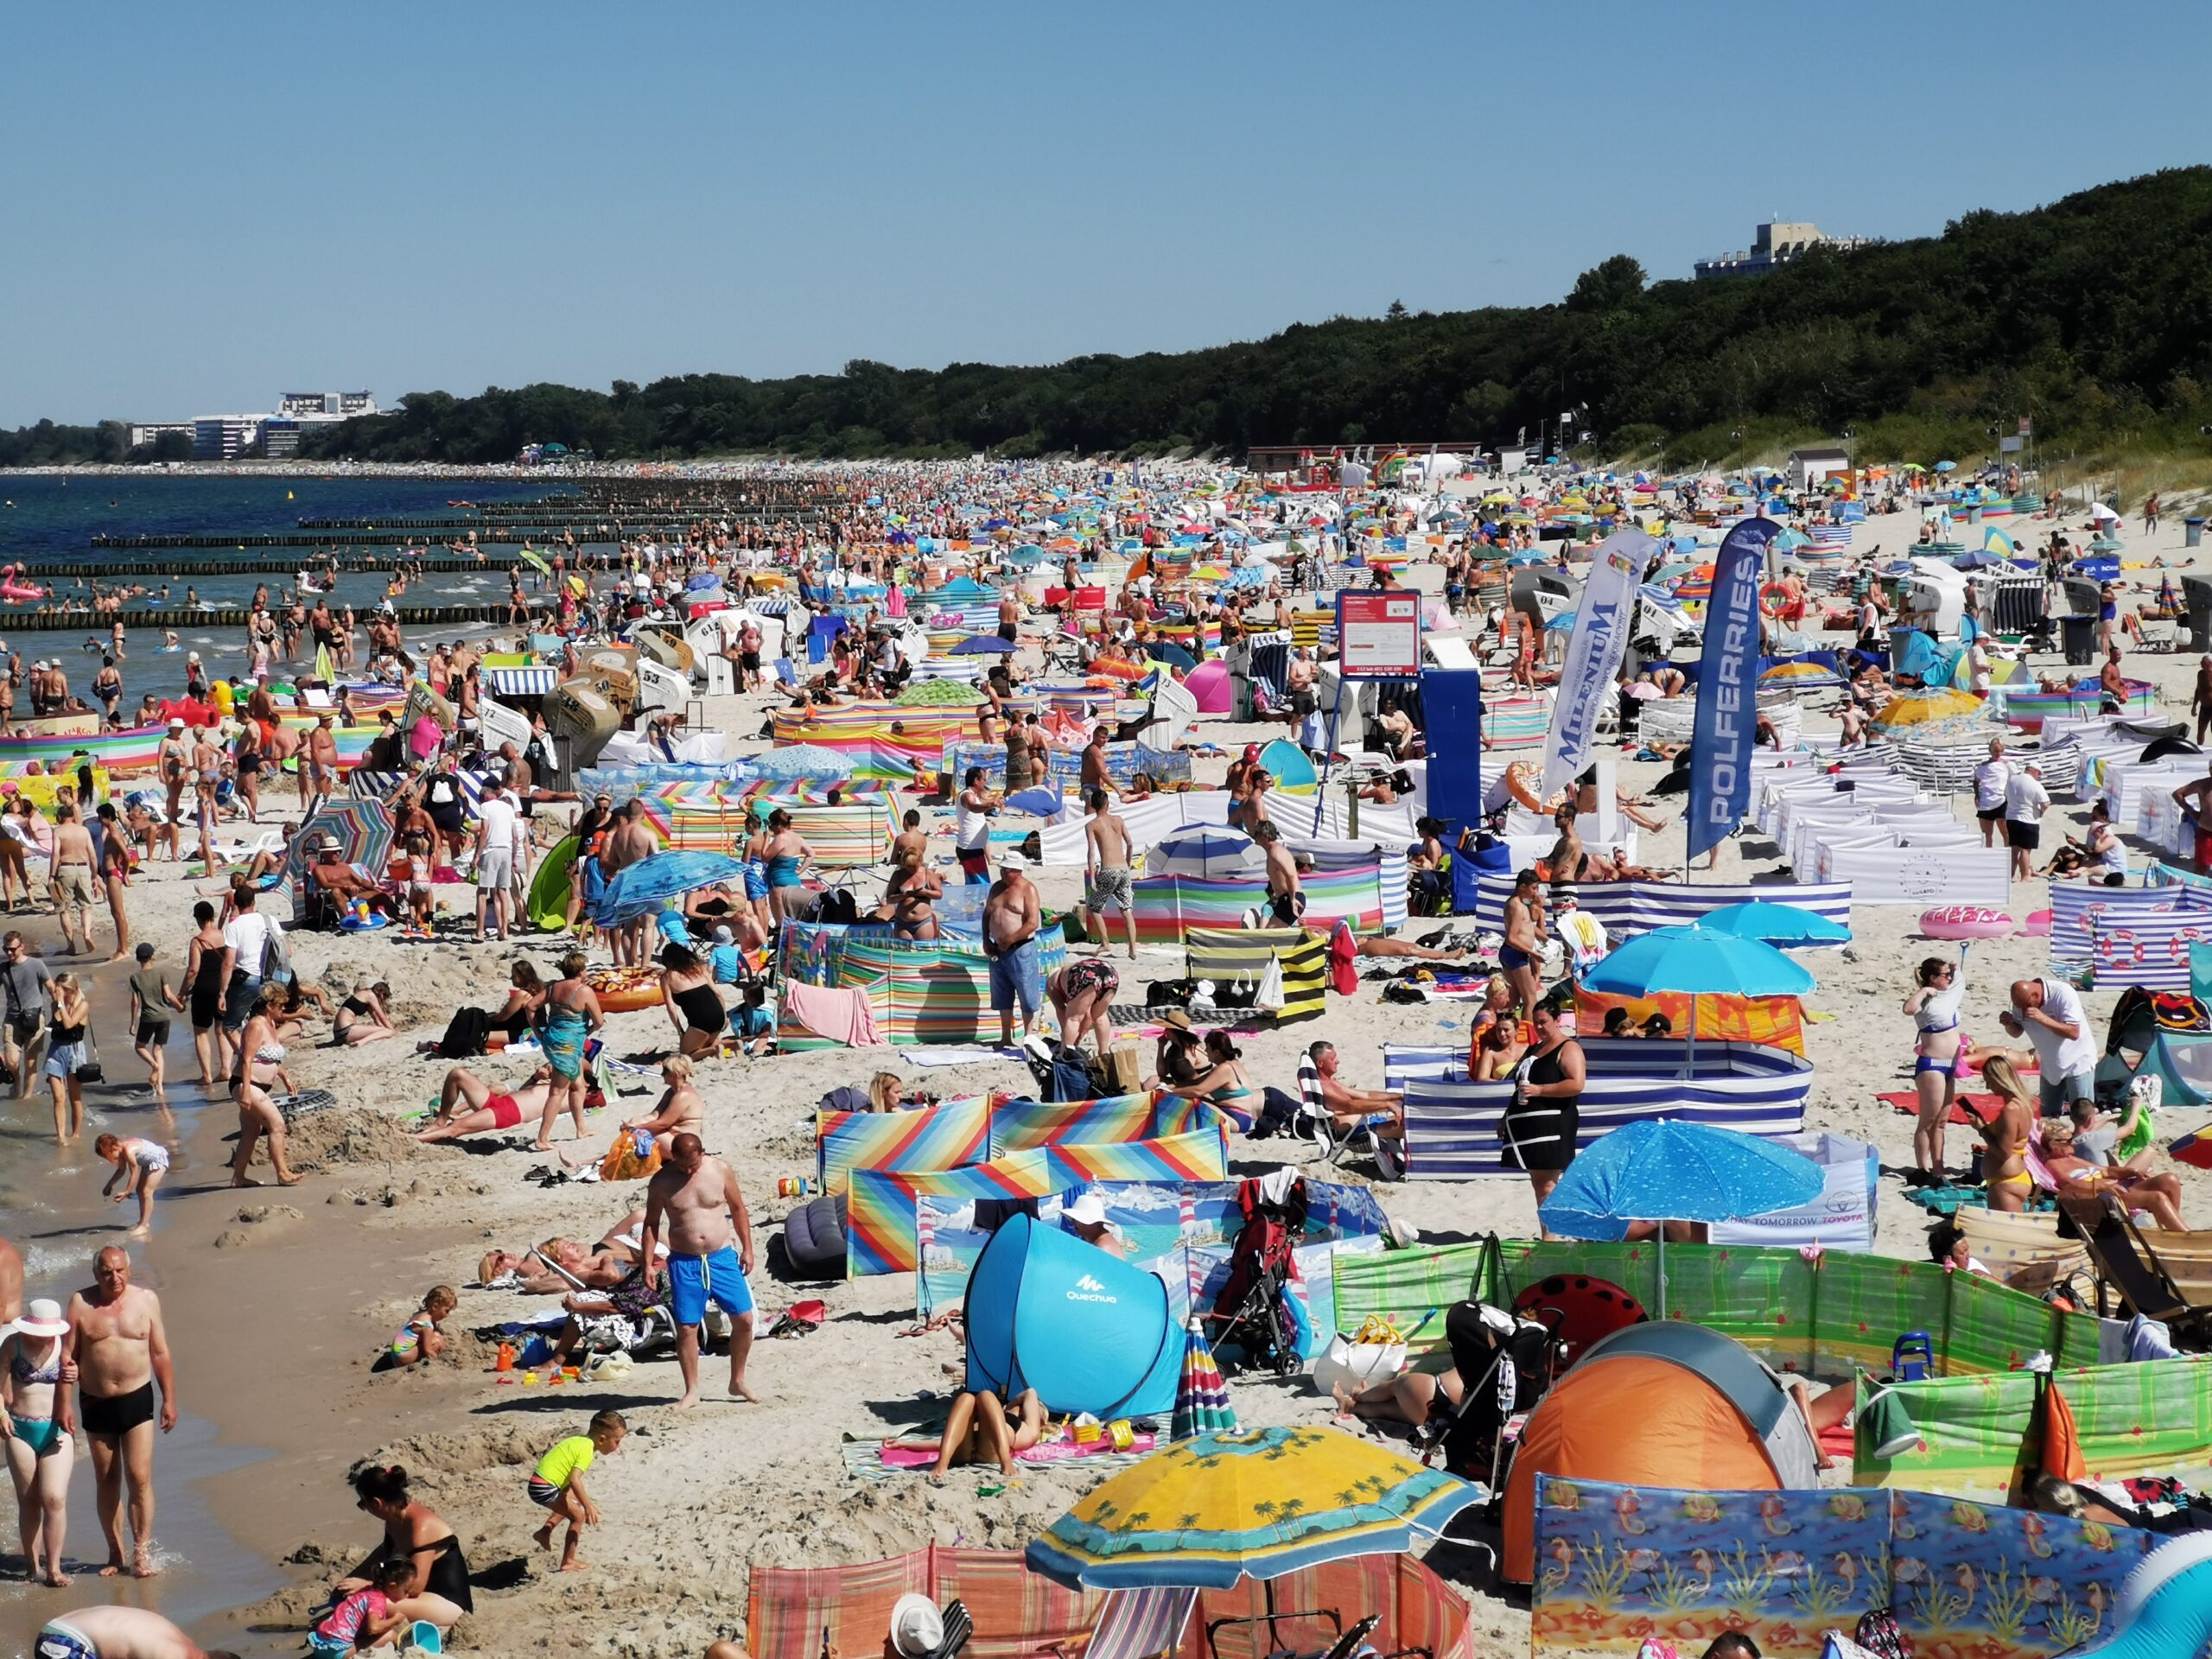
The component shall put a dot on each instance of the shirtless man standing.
(1107, 876)
(630, 842)
(1011, 917)
(1286, 894)
(321, 766)
(1094, 775)
(118, 1352)
(1524, 940)
(697, 1199)
(71, 879)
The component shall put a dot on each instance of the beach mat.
(1973, 1110)
(874, 1460)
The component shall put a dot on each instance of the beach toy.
(1965, 922)
(2038, 923)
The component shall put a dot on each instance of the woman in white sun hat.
(40, 1456)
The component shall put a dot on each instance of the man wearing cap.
(1010, 919)
(2025, 802)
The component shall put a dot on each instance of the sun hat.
(1086, 1210)
(917, 1627)
(43, 1319)
(1176, 1020)
(176, 722)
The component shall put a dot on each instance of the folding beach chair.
(2123, 1259)
(1315, 1126)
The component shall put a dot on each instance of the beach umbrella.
(2102, 514)
(1947, 466)
(803, 760)
(1201, 1397)
(1910, 710)
(1665, 1170)
(982, 644)
(1784, 926)
(1166, 651)
(1260, 1503)
(1696, 961)
(2194, 1148)
(1797, 676)
(363, 829)
(937, 693)
(647, 885)
(1205, 853)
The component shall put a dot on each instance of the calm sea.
(48, 517)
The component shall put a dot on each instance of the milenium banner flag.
(1727, 688)
(1593, 653)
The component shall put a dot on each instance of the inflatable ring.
(622, 990)
(2038, 925)
(1521, 779)
(1964, 922)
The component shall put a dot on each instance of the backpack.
(1879, 1634)
(465, 1034)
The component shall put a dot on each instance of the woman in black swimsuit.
(1539, 1127)
(695, 1007)
(412, 1531)
(203, 979)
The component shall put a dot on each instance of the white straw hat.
(43, 1319)
(917, 1627)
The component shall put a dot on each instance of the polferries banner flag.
(1593, 653)
(1727, 685)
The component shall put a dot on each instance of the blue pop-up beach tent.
(1087, 1330)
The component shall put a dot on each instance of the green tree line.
(2091, 316)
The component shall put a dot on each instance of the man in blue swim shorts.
(694, 1202)
(1011, 917)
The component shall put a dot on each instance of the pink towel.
(895, 600)
(841, 1016)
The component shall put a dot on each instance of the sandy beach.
(279, 1300)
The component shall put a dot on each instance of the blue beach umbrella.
(1206, 854)
(982, 644)
(1697, 962)
(1784, 926)
(649, 884)
(1670, 1171)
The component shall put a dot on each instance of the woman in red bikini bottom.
(468, 1105)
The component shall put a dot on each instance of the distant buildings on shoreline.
(1776, 243)
(269, 437)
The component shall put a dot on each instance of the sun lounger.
(2124, 1260)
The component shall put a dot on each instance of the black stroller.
(1252, 1315)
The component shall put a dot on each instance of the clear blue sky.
(201, 207)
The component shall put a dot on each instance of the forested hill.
(2093, 317)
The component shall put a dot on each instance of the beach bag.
(90, 1069)
(626, 1160)
(465, 1034)
(1124, 1070)
(1357, 1365)
(1270, 997)
(1879, 1634)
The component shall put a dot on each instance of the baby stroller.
(1253, 1313)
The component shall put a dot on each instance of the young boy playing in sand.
(364, 1619)
(144, 1162)
(420, 1338)
(557, 1483)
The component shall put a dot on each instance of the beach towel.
(842, 1016)
(1973, 1110)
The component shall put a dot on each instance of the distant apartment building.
(325, 405)
(224, 437)
(144, 432)
(1775, 244)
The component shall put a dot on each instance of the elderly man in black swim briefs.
(119, 1353)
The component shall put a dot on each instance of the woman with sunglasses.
(1933, 1006)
